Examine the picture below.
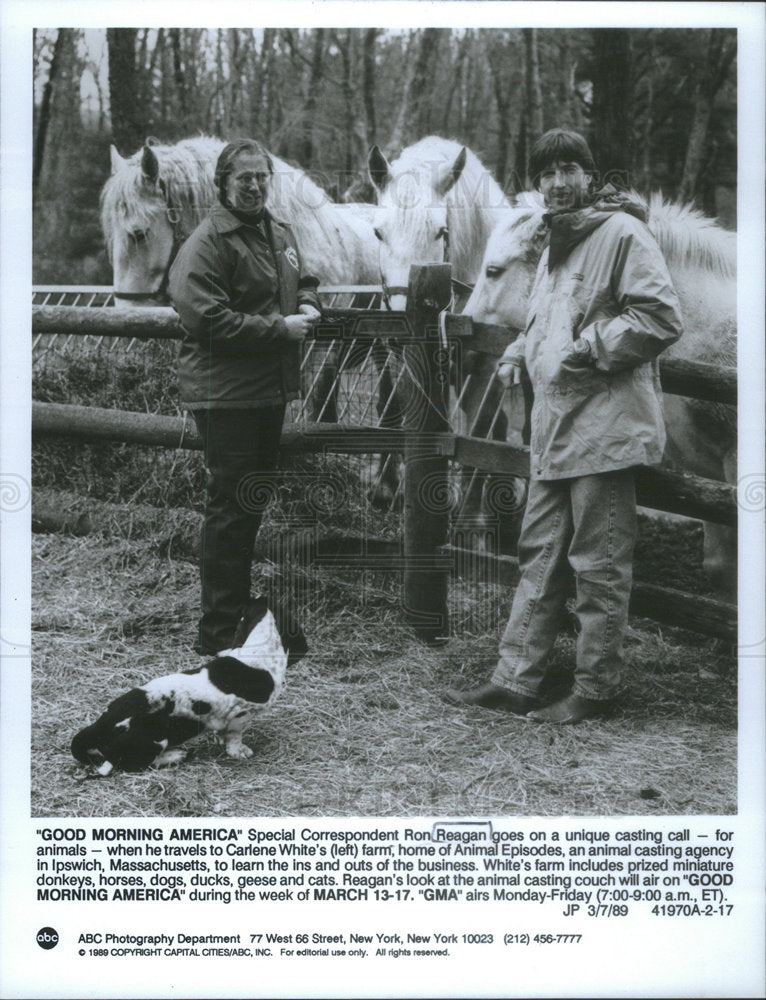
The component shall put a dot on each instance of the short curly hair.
(559, 144)
(225, 162)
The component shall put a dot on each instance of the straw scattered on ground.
(361, 728)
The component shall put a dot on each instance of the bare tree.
(504, 61)
(534, 99)
(368, 86)
(127, 111)
(721, 49)
(312, 96)
(43, 116)
(457, 77)
(612, 75)
(414, 118)
(58, 118)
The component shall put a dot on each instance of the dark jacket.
(609, 288)
(231, 290)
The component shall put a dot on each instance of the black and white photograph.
(382, 491)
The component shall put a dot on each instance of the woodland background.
(658, 105)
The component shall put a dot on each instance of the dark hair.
(225, 162)
(559, 144)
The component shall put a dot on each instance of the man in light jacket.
(601, 310)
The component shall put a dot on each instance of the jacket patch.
(292, 257)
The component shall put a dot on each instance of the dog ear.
(293, 640)
(252, 613)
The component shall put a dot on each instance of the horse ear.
(450, 177)
(115, 159)
(150, 165)
(379, 169)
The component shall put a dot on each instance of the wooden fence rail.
(427, 446)
(679, 377)
(661, 489)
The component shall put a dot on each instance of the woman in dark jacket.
(245, 306)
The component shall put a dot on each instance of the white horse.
(155, 198)
(701, 258)
(437, 203)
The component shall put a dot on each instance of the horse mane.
(476, 198)
(336, 241)
(186, 169)
(689, 238)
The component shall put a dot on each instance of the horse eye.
(493, 271)
(378, 234)
(139, 235)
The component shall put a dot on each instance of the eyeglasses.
(247, 180)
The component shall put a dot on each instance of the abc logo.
(47, 938)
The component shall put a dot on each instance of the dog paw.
(169, 757)
(239, 751)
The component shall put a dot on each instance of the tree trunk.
(412, 120)
(128, 119)
(368, 85)
(644, 68)
(234, 83)
(534, 93)
(312, 98)
(499, 58)
(613, 105)
(457, 80)
(422, 81)
(179, 77)
(719, 59)
(44, 114)
(59, 122)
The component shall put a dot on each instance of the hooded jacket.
(602, 308)
(232, 286)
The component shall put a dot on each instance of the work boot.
(572, 709)
(493, 696)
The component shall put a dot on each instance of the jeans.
(588, 524)
(241, 452)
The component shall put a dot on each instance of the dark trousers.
(241, 452)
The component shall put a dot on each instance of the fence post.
(426, 483)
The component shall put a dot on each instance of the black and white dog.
(146, 725)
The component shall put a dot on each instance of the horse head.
(435, 204)
(502, 288)
(150, 203)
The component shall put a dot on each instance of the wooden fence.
(426, 439)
